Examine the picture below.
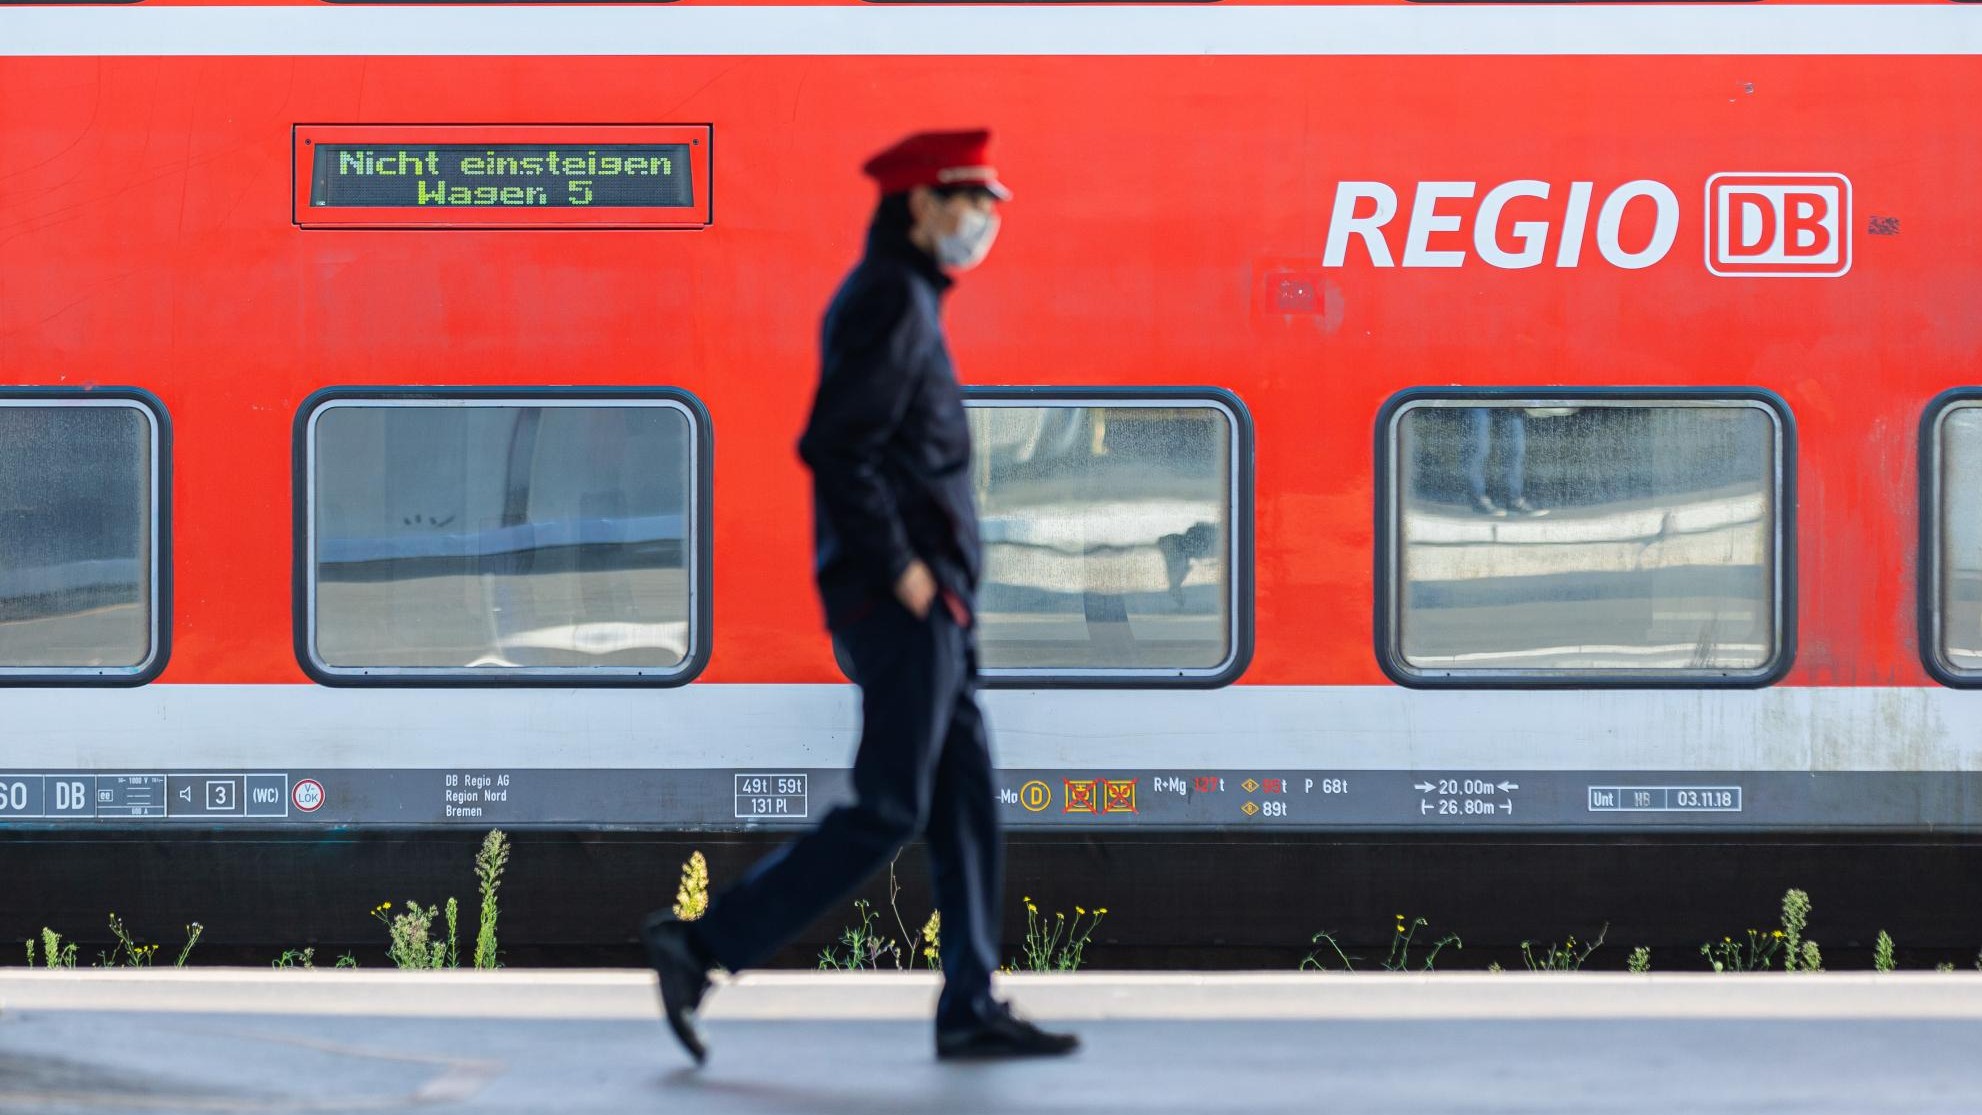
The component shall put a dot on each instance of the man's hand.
(916, 589)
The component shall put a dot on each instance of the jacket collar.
(888, 244)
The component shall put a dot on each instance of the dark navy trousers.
(923, 768)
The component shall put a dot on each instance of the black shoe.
(1003, 1034)
(1487, 506)
(1523, 507)
(684, 978)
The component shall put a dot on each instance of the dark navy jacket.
(887, 442)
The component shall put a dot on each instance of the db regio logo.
(1779, 224)
(1775, 224)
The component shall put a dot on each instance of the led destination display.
(550, 175)
(502, 176)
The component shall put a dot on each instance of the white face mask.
(966, 246)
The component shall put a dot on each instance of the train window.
(82, 536)
(1624, 537)
(1117, 535)
(1951, 537)
(503, 536)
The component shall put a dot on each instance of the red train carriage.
(1403, 430)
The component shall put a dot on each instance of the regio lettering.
(1363, 209)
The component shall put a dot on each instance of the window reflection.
(502, 537)
(1960, 532)
(75, 536)
(1107, 534)
(1585, 536)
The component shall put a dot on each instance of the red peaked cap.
(937, 159)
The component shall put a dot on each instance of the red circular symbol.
(308, 795)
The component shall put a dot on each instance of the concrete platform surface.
(218, 1040)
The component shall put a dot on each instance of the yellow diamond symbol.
(1249, 785)
(1249, 809)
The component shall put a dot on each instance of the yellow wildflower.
(932, 939)
(691, 898)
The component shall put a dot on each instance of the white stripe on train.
(301, 727)
(570, 29)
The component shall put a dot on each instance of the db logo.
(1779, 225)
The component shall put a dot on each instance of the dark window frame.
(1239, 552)
(160, 603)
(1927, 561)
(1387, 597)
(701, 519)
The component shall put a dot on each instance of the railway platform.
(236, 1040)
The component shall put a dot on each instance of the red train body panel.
(1137, 252)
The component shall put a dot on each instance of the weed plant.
(1399, 958)
(1882, 953)
(1795, 921)
(691, 898)
(895, 908)
(489, 864)
(413, 939)
(861, 947)
(1755, 954)
(54, 953)
(1057, 944)
(193, 932)
(1565, 957)
(1640, 960)
(305, 959)
(128, 952)
(411, 932)
(932, 940)
(1758, 952)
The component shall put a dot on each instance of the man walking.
(897, 567)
